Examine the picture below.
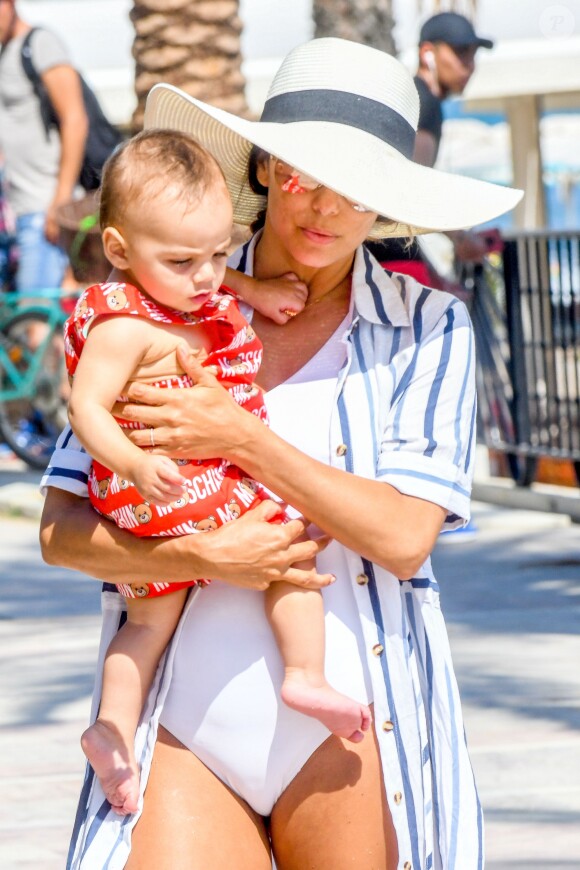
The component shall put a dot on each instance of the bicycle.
(33, 383)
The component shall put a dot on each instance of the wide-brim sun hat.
(346, 115)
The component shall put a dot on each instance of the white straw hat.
(345, 114)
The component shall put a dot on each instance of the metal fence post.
(522, 467)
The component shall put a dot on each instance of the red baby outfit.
(218, 491)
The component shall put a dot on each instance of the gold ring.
(289, 313)
(151, 437)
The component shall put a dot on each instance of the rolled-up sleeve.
(69, 466)
(428, 442)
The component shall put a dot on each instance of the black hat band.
(341, 107)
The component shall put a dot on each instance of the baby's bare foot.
(115, 766)
(340, 714)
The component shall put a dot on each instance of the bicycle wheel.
(31, 420)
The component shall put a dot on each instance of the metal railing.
(526, 313)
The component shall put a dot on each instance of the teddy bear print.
(209, 524)
(143, 513)
(140, 590)
(251, 390)
(181, 501)
(234, 509)
(103, 487)
(249, 485)
(117, 300)
(238, 365)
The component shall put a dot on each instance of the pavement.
(512, 601)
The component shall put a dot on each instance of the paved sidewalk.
(512, 601)
(49, 625)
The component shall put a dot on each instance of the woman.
(370, 392)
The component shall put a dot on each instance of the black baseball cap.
(453, 29)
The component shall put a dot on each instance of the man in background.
(447, 48)
(41, 167)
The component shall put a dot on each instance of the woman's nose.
(326, 201)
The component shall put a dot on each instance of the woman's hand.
(200, 422)
(250, 552)
(254, 552)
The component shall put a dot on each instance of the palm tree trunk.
(368, 21)
(464, 7)
(192, 44)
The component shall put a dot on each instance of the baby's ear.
(115, 247)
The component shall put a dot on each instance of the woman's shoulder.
(48, 49)
(400, 300)
(432, 306)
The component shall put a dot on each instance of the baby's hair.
(148, 164)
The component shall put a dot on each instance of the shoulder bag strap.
(47, 113)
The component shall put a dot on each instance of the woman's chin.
(313, 257)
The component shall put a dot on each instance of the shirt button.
(388, 725)
(398, 797)
(378, 649)
(407, 866)
(362, 579)
(341, 449)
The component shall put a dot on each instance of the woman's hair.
(257, 156)
(148, 164)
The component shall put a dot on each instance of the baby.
(166, 219)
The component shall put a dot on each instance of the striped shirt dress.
(404, 413)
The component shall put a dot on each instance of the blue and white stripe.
(405, 412)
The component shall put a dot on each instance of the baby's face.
(177, 251)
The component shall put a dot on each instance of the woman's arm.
(249, 552)
(64, 89)
(370, 517)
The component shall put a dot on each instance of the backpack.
(102, 136)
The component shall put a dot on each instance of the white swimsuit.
(224, 698)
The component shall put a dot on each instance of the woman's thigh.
(192, 821)
(334, 814)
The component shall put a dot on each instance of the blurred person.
(7, 237)
(42, 167)
(448, 46)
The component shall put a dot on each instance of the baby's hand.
(275, 297)
(158, 479)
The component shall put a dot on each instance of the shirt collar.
(375, 295)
